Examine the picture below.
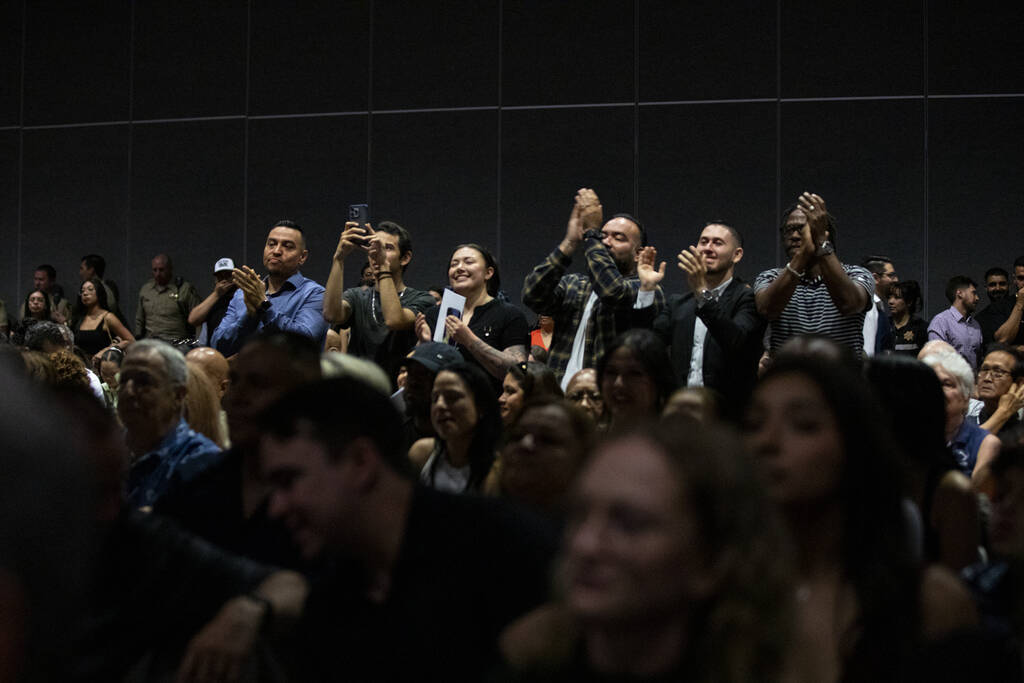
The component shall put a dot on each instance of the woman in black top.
(94, 326)
(491, 333)
(911, 331)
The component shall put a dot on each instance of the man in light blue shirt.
(285, 300)
(956, 325)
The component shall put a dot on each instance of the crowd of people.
(794, 478)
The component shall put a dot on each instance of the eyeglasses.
(578, 396)
(997, 373)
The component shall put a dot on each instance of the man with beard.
(714, 330)
(590, 310)
(956, 325)
(815, 293)
(1001, 320)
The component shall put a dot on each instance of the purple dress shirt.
(961, 331)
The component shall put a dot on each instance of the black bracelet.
(593, 234)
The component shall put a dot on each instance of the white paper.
(451, 304)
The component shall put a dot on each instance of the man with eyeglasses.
(815, 293)
(1000, 391)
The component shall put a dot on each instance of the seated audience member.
(714, 330)
(465, 416)
(336, 342)
(544, 450)
(379, 318)
(46, 337)
(700, 403)
(910, 330)
(95, 327)
(109, 367)
(214, 364)
(934, 346)
(675, 567)
(1000, 391)
(973, 447)
(69, 370)
(491, 334)
(591, 310)
(39, 367)
(201, 409)
(956, 325)
(636, 378)
(163, 602)
(998, 584)
(584, 391)
(815, 293)
(423, 581)
(437, 291)
(227, 504)
(542, 335)
(523, 381)
(538, 355)
(47, 534)
(166, 452)
(343, 365)
(422, 366)
(821, 443)
(283, 301)
(912, 400)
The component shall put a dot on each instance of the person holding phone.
(491, 333)
(380, 319)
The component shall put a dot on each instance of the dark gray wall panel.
(707, 50)
(189, 58)
(694, 168)
(436, 174)
(77, 61)
(975, 190)
(10, 66)
(428, 54)
(308, 57)
(844, 49)
(975, 47)
(866, 159)
(187, 199)
(10, 291)
(546, 156)
(567, 53)
(75, 201)
(308, 170)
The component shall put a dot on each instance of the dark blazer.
(732, 347)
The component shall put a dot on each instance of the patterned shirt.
(811, 310)
(177, 459)
(549, 290)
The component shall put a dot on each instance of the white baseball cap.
(223, 264)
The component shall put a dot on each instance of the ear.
(737, 255)
(305, 255)
(364, 461)
(406, 257)
(489, 273)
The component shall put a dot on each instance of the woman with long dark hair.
(865, 604)
(464, 414)
(95, 327)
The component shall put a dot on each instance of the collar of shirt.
(295, 281)
(958, 316)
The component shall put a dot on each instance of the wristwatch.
(264, 307)
(706, 296)
(826, 248)
(593, 234)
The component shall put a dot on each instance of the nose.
(277, 506)
(587, 538)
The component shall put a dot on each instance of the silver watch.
(826, 248)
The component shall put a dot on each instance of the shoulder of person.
(946, 603)
(420, 452)
(545, 638)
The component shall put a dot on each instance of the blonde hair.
(202, 405)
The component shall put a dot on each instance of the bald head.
(213, 364)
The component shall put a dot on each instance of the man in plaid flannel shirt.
(591, 310)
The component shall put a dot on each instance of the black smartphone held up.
(360, 213)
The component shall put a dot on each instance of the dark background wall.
(134, 127)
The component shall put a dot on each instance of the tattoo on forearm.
(494, 360)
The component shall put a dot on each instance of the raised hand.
(650, 277)
(352, 237)
(253, 289)
(375, 250)
(692, 263)
(422, 328)
(813, 207)
(591, 212)
(1013, 399)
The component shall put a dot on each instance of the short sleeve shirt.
(499, 324)
(371, 338)
(811, 311)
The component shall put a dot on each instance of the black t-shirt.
(466, 568)
(371, 338)
(911, 337)
(992, 317)
(499, 324)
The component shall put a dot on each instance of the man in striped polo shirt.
(814, 293)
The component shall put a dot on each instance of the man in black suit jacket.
(714, 330)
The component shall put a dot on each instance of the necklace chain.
(374, 295)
